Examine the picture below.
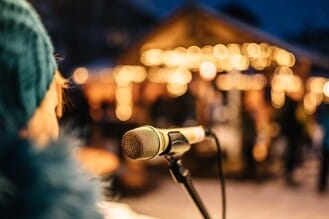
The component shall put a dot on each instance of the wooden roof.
(194, 24)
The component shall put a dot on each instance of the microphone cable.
(220, 171)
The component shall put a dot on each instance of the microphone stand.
(179, 145)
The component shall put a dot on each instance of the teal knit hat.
(27, 64)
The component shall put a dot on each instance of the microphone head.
(141, 143)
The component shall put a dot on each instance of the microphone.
(147, 142)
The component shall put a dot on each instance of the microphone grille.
(141, 143)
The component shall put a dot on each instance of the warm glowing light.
(181, 57)
(296, 85)
(265, 50)
(124, 102)
(310, 109)
(252, 82)
(234, 55)
(178, 76)
(123, 112)
(260, 63)
(310, 99)
(220, 51)
(277, 98)
(310, 102)
(261, 79)
(224, 82)
(241, 82)
(170, 58)
(212, 59)
(316, 98)
(253, 50)
(156, 75)
(152, 57)
(226, 64)
(176, 89)
(239, 62)
(80, 75)
(284, 58)
(285, 80)
(233, 49)
(260, 152)
(140, 76)
(315, 84)
(206, 50)
(208, 70)
(326, 89)
(194, 50)
(194, 56)
(170, 75)
(125, 74)
(123, 95)
(120, 76)
(180, 49)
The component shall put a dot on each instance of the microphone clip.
(178, 145)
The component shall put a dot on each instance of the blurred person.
(323, 119)
(168, 110)
(42, 175)
(39, 176)
(293, 131)
(161, 110)
(249, 135)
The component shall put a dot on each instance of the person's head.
(29, 85)
(43, 125)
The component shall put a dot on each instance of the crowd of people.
(300, 137)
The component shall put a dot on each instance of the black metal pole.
(181, 175)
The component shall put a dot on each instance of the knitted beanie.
(27, 64)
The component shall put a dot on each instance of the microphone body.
(147, 142)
